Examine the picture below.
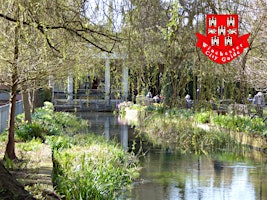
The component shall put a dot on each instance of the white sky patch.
(106, 12)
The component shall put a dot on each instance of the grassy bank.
(85, 166)
(179, 128)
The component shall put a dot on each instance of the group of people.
(156, 99)
(159, 98)
(258, 101)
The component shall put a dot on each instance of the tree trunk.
(10, 187)
(10, 147)
(27, 108)
(33, 99)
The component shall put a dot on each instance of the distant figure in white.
(188, 100)
(259, 102)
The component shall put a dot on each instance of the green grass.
(233, 122)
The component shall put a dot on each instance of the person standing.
(259, 102)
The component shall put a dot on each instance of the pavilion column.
(70, 88)
(51, 84)
(125, 74)
(107, 80)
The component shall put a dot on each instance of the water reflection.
(108, 125)
(176, 176)
(170, 175)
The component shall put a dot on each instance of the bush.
(47, 122)
(203, 117)
(27, 132)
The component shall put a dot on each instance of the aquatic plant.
(239, 123)
(178, 130)
(91, 168)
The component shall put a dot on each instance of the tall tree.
(54, 25)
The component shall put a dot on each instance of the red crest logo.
(222, 43)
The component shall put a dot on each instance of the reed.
(178, 129)
(91, 168)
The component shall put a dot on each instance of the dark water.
(170, 175)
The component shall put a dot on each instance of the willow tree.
(161, 45)
(144, 44)
(161, 41)
(252, 72)
(36, 35)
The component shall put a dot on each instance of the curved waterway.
(170, 175)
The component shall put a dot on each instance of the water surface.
(225, 176)
(169, 175)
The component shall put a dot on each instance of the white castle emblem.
(212, 21)
(228, 41)
(215, 41)
(222, 33)
(230, 21)
(221, 30)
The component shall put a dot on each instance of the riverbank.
(80, 165)
(197, 131)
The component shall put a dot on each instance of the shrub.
(26, 132)
(47, 122)
(203, 117)
(240, 123)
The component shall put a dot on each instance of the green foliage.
(59, 142)
(240, 123)
(32, 145)
(178, 128)
(90, 168)
(85, 166)
(202, 117)
(47, 122)
(179, 113)
(26, 132)
(233, 122)
(155, 107)
(3, 136)
(9, 164)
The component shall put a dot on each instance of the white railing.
(4, 114)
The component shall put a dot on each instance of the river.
(166, 174)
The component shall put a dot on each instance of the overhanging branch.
(76, 31)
